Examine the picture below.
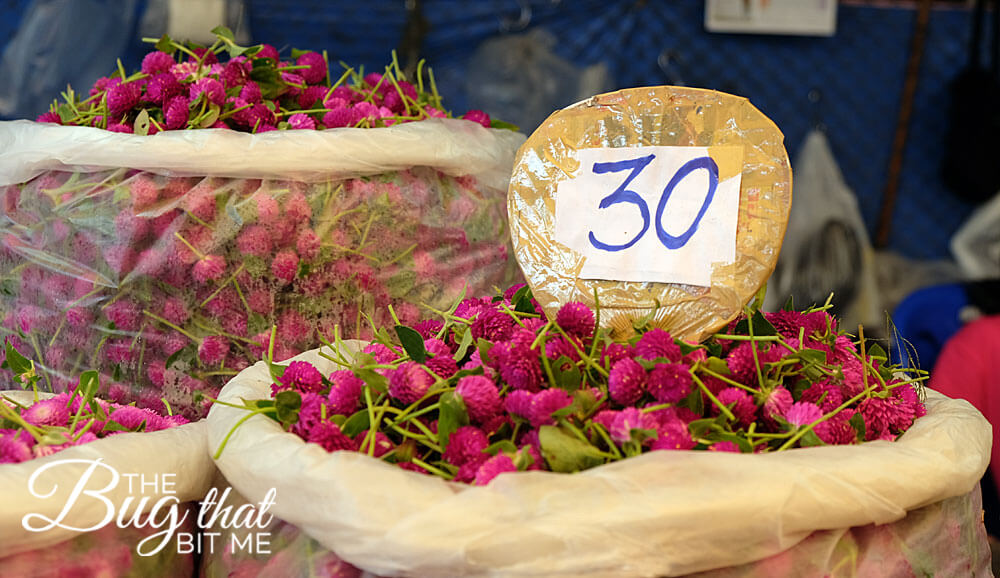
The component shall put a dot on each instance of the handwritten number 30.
(623, 195)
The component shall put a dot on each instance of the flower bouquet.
(162, 257)
(497, 406)
(92, 487)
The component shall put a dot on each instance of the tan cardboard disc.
(653, 116)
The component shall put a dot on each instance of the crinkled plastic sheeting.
(164, 260)
(657, 116)
(179, 452)
(664, 513)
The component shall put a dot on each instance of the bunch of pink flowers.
(492, 386)
(185, 86)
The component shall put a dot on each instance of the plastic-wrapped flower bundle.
(53, 446)
(163, 261)
(494, 404)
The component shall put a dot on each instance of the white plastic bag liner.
(455, 147)
(179, 451)
(826, 246)
(976, 244)
(665, 513)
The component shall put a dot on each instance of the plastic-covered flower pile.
(492, 386)
(65, 420)
(186, 86)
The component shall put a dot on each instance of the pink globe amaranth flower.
(803, 413)
(176, 113)
(394, 102)
(669, 382)
(119, 128)
(518, 365)
(310, 412)
(493, 467)
(162, 88)
(382, 353)
(493, 325)
(657, 343)
(465, 445)
(338, 118)
(51, 412)
(518, 403)
(671, 433)
(481, 397)
(120, 259)
(471, 307)
(830, 393)
(614, 352)
(311, 96)
(301, 121)
(268, 210)
(285, 266)
(741, 361)
(365, 110)
(132, 418)
(78, 317)
(373, 79)
(837, 430)
(302, 376)
(143, 192)
(443, 365)
(297, 207)
(742, 405)
(316, 72)
(777, 403)
(254, 240)
(576, 319)
(213, 349)
(268, 51)
(329, 436)
(788, 323)
(908, 400)
(409, 382)
(125, 314)
(261, 301)
(122, 97)
(546, 402)
(120, 350)
(49, 117)
(15, 446)
(626, 381)
(345, 392)
(435, 112)
(172, 343)
(728, 447)
(251, 93)
(627, 420)
(208, 268)
(293, 327)
(156, 62)
(478, 116)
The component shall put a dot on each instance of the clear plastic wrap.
(656, 116)
(664, 513)
(114, 257)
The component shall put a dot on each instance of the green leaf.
(810, 439)
(857, 422)
(566, 453)
(522, 300)
(116, 373)
(356, 424)
(211, 117)
(463, 347)
(716, 365)
(875, 350)
(16, 362)
(90, 382)
(812, 356)
(505, 446)
(174, 357)
(165, 44)
(288, 403)
(141, 124)
(376, 381)
(566, 379)
(53, 438)
(789, 304)
(451, 416)
(296, 53)
(412, 342)
(494, 123)
(224, 32)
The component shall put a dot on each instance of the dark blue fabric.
(928, 317)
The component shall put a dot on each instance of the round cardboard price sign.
(668, 203)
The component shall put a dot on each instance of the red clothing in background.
(969, 368)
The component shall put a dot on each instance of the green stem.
(711, 396)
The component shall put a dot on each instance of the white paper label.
(658, 213)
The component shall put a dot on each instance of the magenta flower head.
(302, 376)
(545, 403)
(382, 353)
(627, 420)
(268, 51)
(345, 392)
(120, 128)
(211, 88)
(156, 62)
(493, 467)
(213, 349)
(409, 382)
(285, 266)
(728, 447)
(465, 445)
(15, 446)
(176, 113)
(518, 403)
(49, 117)
(481, 397)
(672, 434)
(492, 324)
(777, 403)
(741, 403)
(576, 319)
(837, 430)
(47, 412)
(330, 438)
(301, 121)
(803, 413)
(338, 117)
(122, 96)
(626, 381)
(317, 67)
(208, 268)
(657, 343)
(478, 116)
(669, 382)
(518, 364)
